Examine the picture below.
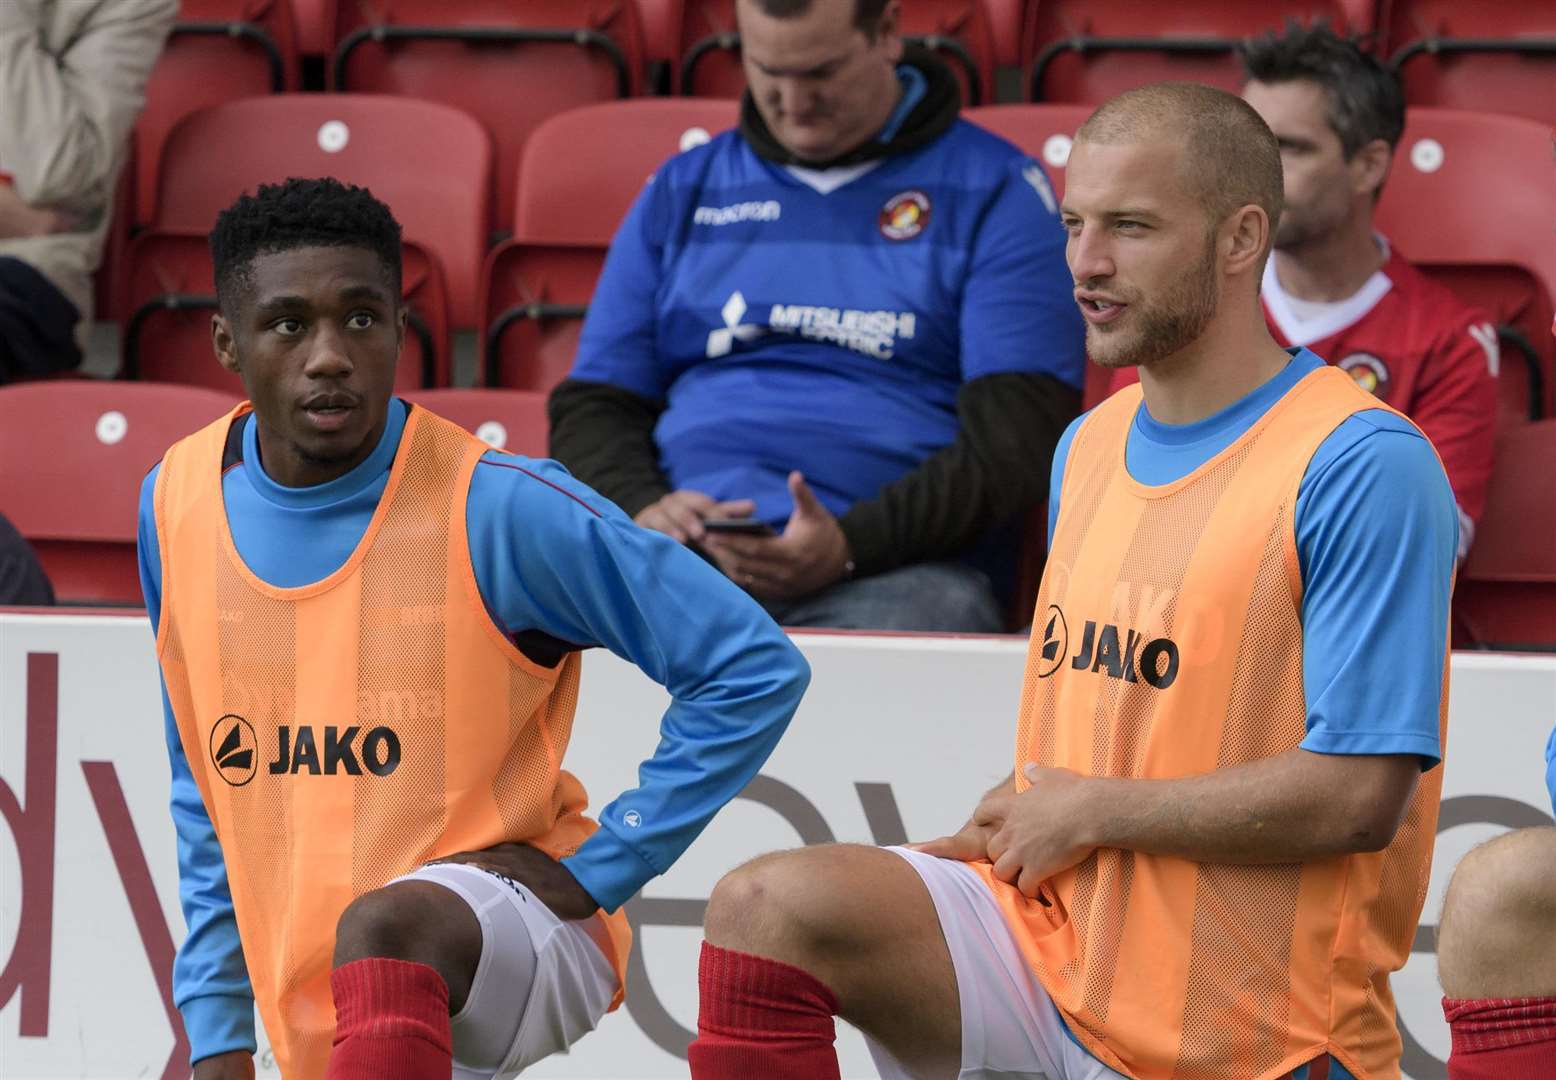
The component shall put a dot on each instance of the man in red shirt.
(1336, 286)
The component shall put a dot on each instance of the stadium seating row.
(73, 455)
(580, 171)
(513, 63)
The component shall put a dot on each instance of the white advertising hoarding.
(896, 739)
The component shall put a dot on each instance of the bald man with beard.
(1214, 843)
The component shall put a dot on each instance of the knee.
(408, 920)
(1496, 913)
(776, 905)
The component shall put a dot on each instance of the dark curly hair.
(1365, 100)
(300, 213)
(867, 13)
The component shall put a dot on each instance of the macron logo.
(770, 210)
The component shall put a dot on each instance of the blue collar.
(914, 87)
(372, 468)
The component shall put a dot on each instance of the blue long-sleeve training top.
(549, 555)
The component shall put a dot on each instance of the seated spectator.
(73, 80)
(22, 580)
(850, 320)
(1335, 285)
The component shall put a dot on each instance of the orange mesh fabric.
(1168, 643)
(391, 722)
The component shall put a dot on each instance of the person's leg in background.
(37, 325)
(1496, 958)
(941, 597)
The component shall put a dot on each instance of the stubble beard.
(1162, 328)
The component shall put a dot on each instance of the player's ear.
(225, 344)
(1244, 235)
(402, 312)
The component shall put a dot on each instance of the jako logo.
(380, 751)
(234, 749)
(1055, 644)
(1100, 651)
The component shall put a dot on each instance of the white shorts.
(1010, 1026)
(502, 1028)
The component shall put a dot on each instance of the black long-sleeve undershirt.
(995, 469)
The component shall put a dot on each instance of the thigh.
(1009, 1025)
(541, 983)
(943, 597)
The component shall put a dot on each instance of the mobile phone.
(739, 526)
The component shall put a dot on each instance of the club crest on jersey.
(904, 215)
(1370, 373)
(234, 750)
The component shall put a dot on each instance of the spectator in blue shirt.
(848, 321)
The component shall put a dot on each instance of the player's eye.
(362, 320)
(288, 327)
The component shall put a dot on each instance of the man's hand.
(233, 1065)
(680, 514)
(549, 880)
(1045, 829)
(18, 219)
(971, 842)
(811, 554)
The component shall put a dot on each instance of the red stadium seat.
(1506, 594)
(958, 31)
(505, 419)
(579, 176)
(1470, 200)
(315, 26)
(430, 163)
(1006, 19)
(1044, 132)
(582, 170)
(535, 300)
(661, 21)
(509, 63)
(72, 458)
(219, 50)
(171, 297)
(1090, 50)
(1489, 57)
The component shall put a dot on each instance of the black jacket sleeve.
(605, 437)
(995, 470)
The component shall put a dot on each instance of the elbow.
(1373, 828)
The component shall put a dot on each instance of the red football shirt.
(1419, 349)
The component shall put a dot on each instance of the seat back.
(1488, 57)
(582, 170)
(509, 63)
(1042, 131)
(1091, 50)
(1506, 593)
(1434, 207)
(957, 31)
(579, 175)
(172, 296)
(73, 454)
(503, 419)
(219, 50)
(536, 296)
(366, 139)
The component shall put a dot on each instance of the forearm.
(993, 471)
(1289, 808)
(82, 103)
(605, 437)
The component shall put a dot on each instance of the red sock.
(1502, 1038)
(391, 1022)
(760, 1019)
